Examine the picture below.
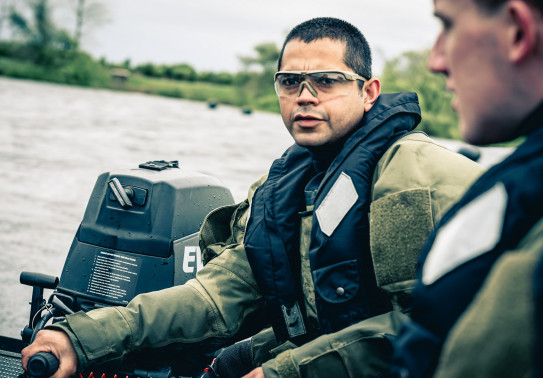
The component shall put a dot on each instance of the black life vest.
(504, 204)
(339, 252)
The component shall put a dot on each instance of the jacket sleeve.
(414, 182)
(361, 350)
(416, 161)
(212, 305)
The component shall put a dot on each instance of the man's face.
(470, 52)
(311, 121)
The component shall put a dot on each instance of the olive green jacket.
(414, 182)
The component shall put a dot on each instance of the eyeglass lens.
(288, 84)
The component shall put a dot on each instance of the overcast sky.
(211, 34)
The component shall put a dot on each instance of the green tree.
(149, 69)
(409, 72)
(87, 13)
(265, 60)
(225, 78)
(255, 82)
(4, 16)
(48, 45)
(181, 71)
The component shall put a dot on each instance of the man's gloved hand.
(232, 362)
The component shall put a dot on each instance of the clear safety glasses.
(321, 83)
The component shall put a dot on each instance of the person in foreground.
(328, 238)
(478, 299)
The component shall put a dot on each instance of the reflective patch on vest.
(336, 204)
(473, 231)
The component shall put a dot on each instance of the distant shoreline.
(125, 80)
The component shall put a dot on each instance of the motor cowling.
(139, 234)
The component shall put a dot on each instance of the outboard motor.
(139, 234)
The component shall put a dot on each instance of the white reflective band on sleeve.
(473, 231)
(336, 204)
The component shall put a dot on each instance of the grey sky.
(211, 34)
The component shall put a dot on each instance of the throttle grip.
(42, 365)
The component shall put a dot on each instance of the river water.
(55, 140)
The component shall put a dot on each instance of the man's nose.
(306, 92)
(436, 62)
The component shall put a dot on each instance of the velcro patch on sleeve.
(399, 226)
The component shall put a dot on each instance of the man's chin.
(318, 141)
(473, 133)
(309, 142)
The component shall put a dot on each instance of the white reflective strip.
(473, 231)
(336, 204)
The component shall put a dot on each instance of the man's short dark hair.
(493, 5)
(357, 51)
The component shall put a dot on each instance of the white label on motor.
(192, 259)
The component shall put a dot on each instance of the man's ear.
(523, 33)
(371, 92)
